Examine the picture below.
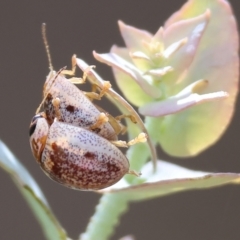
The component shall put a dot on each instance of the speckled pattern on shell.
(80, 159)
(75, 107)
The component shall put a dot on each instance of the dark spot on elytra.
(54, 146)
(57, 149)
(70, 108)
(112, 167)
(90, 155)
(59, 158)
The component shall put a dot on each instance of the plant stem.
(106, 217)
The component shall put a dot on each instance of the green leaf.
(168, 179)
(189, 132)
(32, 193)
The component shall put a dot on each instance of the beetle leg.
(123, 129)
(118, 127)
(92, 95)
(131, 117)
(141, 138)
(132, 172)
(56, 105)
(71, 72)
(106, 86)
(76, 80)
(120, 143)
(102, 118)
(74, 65)
(97, 96)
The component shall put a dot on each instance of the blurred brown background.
(79, 27)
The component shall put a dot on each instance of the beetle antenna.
(44, 36)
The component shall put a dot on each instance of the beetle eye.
(32, 128)
(33, 124)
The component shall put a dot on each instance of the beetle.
(74, 106)
(76, 157)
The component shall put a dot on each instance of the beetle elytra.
(76, 157)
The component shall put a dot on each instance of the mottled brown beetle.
(74, 156)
